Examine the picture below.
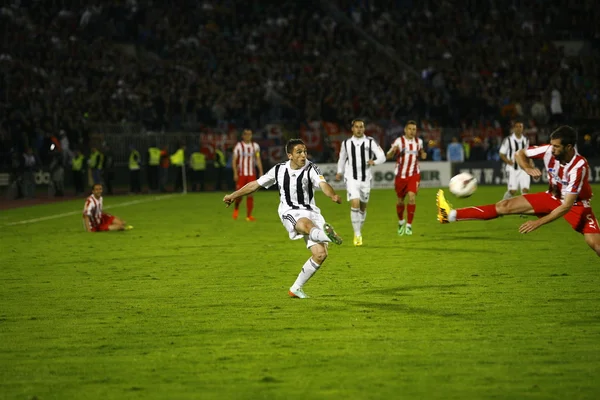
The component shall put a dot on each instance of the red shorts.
(410, 184)
(107, 221)
(580, 218)
(242, 180)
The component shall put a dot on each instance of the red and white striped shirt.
(570, 178)
(93, 209)
(407, 162)
(246, 158)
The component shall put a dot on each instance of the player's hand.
(371, 162)
(338, 177)
(336, 199)
(534, 172)
(227, 200)
(529, 226)
(235, 177)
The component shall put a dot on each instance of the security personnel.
(178, 161)
(77, 172)
(220, 163)
(198, 165)
(134, 171)
(96, 163)
(153, 167)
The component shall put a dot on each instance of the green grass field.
(193, 305)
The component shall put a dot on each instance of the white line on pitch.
(128, 203)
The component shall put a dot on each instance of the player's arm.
(392, 151)
(329, 192)
(379, 156)
(248, 188)
(234, 165)
(341, 162)
(259, 163)
(558, 212)
(526, 164)
(423, 154)
(506, 159)
(86, 223)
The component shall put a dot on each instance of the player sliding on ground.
(298, 211)
(568, 196)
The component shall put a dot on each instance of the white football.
(463, 185)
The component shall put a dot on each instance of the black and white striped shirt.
(296, 186)
(511, 145)
(354, 155)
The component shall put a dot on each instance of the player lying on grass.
(298, 212)
(568, 195)
(95, 220)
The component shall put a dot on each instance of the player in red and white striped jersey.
(95, 220)
(407, 149)
(568, 195)
(246, 158)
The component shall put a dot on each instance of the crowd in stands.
(68, 65)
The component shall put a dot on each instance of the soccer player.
(246, 158)
(518, 179)
(568, 195)
(95, 220)
(357, 155)
(407, 149)
(299, 214)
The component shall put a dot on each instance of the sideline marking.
(128, 203)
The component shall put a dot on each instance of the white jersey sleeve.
(379, 154)
(504, 146)
(268, 179)
(343, 158)
(316, 176)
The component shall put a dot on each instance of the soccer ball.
(463, 185)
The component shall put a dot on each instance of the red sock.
(479, 212)
(249, 205)
(400, 212)
(236, 203)
(410, 212)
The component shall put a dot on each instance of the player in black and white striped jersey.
(357, 155)
(297, 179)
(517, 178)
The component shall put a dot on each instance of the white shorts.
(290, 218)
(358, 190)
(518, 179)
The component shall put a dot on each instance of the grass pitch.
(193, 305)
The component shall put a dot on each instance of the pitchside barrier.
(433, 174)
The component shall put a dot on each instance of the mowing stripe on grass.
(128, 203)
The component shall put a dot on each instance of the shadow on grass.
(395, 290)
(403, 308)
(442, 249)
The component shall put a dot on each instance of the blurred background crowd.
(70, 66)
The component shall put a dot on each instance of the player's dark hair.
(566, 134)
(96, 184)
(356, 120)
(411, 122)
(289, 147)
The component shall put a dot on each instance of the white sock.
(409, 225)
(355, 219)
(452, 216)
(507, 195)
(308, 270)
(363, 216)
(318, 235)
(401, 222)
